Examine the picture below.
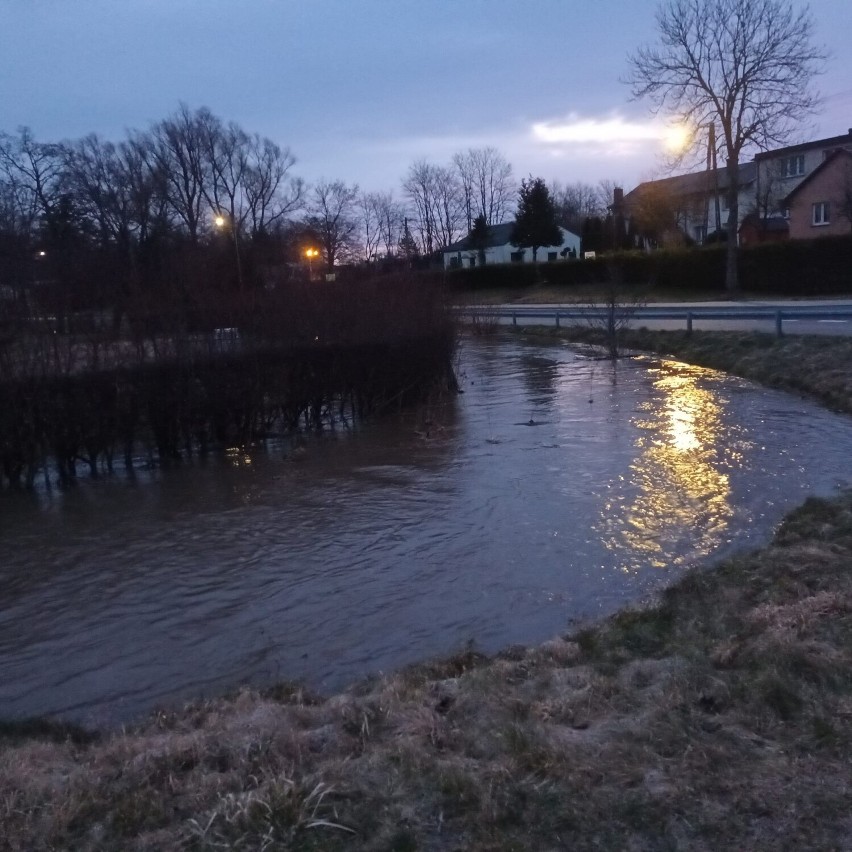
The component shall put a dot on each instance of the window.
(700, 233)
(793, 166)
(551, 256)
(517, 256)
(821, 213)
(471, 261)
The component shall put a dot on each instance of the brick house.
(821, 204)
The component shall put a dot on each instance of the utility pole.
(711, 164)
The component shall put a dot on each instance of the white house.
(499, 249)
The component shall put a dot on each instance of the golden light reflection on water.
(676, 486)
(238, 456)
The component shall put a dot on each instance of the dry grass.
(581, 294)
(719, 719)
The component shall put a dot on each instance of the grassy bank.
(719, 719)
(818, 367)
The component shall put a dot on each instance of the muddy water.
(556, 488)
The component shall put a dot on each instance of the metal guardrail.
(768, 313)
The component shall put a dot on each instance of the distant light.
(592, 130)
(42, 253)
(219, 221)
(612, 130)
(311, 252)
(678, 138)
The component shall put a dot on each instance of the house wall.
(503, 254)
(833, 185)
(695, 213)
(773, 184)
(701, 213)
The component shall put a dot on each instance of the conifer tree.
(536, 223)
(478, 237)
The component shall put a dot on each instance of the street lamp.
(220, 220)
(310, 254)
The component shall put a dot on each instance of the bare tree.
(381, 224)
(656, 214)
(368, 212)
(145, 184)
(420, 187)
(612, 312)
(226, 152)
(747, 65)
(181, 156)
(333, 218)
(33, 173)
(606, 192)
(390, 216)
(575, 202)
(96, 175)
(486, 183)
(271, 192)
(449, 216)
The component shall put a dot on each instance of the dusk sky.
(360, 89)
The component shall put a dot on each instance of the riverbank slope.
(721, 718)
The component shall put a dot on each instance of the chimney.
(617, 199)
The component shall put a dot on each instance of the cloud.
(615, 132)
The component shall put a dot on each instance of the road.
(825, 317)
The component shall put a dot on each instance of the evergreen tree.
(536, 223)
(478, 237)
(407, 244)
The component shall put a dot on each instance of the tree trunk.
(732, 284)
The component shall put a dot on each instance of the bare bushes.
(215, 370)
(613, 312)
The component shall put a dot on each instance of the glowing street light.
(220, 220)
(310, 254)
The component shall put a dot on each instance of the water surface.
(556, 488)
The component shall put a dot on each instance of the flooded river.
(555, 489)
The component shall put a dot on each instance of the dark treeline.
(156, 297)
(101, 223)
(193, 176)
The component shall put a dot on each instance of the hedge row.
(172, 410)
(793, 268)
(308, 354)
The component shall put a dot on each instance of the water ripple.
(381, 547)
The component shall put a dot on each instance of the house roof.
(694, 183)
(498, 235)
(831, 158)
(846, 139)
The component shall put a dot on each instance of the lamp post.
(221, 220)
(310, 254)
